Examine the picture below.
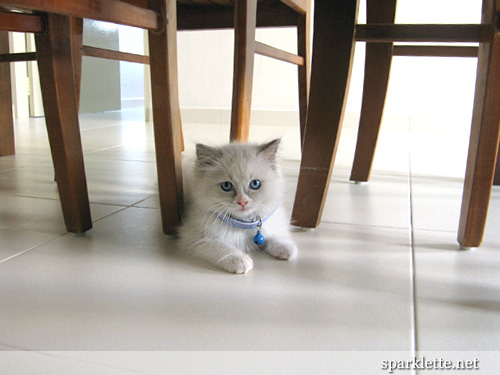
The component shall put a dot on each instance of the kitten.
(235, 206)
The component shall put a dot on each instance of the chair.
(53, 37)
(377, 70)
(335, 33)
(192, 15)
(244, 16)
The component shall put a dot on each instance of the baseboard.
(279, 118)
(223, 116)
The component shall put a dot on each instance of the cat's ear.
(270, 151)
(207, 156)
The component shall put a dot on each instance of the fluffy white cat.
(234, 206)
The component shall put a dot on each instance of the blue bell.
(258, 238)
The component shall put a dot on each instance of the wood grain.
(304, 49)
(27, 23)
(166, 113)
(278, 54)
(115, 11)
(76, 27)
(334, 25)
(59, 99)
(378, 59)
(484, 138)
(245, 14)
(7, 143)
(381, 33)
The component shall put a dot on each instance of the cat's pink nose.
(242, 202)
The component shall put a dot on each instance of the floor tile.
(436, 203)
(363, 204)
(120, 182)
(31, 137)
(439, 146)
(28, 363)
(17, 241)
(381, 272)
(16, 161)
(33, 180)
(125, 271)
(457, 294)
(41, 215)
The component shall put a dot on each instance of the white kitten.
(234, 198)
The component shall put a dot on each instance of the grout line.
(66, 356)
(33, 197)
(412, 247)
(32, 248)
(111, 214)
(364, 225)
(123, 208)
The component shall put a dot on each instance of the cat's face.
(241, 180)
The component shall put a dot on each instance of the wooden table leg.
(245, 18)
(59, 99)
(166, 113)
(484, 139)
(7, 144)
(334, 26)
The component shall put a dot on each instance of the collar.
(245, 224)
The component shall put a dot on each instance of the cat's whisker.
(217, 210)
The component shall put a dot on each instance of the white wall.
(430, 85)
(131, 74)
(206, 69)
(100, 90)
(418, 84)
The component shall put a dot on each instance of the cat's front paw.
(237, 263)
(282, 250)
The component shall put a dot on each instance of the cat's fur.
(206, 235)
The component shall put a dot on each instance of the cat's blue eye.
(226, 186)
(255, 184)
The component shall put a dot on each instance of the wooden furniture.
(7, 145)
(335, 32)
(244, 16)
(51, 24)
(378, 61)
(159, 18)
(56, 80)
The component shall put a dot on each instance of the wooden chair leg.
(57, 83)
(334, 25)
(166, 113)
(76, 51)
(7, 144)
(378, 61)
(496, 180)
(245, 18)
(304, 49)
(484, 140)
(377, 71)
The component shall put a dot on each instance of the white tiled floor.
(382, 272)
